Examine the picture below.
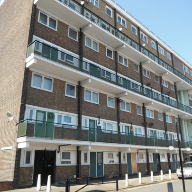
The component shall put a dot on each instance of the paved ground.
(109, 185)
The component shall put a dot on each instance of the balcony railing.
(72, 4)
(63, 58)
(47, 130)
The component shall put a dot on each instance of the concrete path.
(109, 185)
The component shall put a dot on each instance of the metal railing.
(66, 59)
(116, 32)
(50, 130)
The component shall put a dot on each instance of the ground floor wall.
(6, 185)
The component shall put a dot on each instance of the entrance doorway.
(174, 158)
(156, 162)
(45, 165)
(132, 164)
(96, 161)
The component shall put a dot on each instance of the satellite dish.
(10, 116)
(171, 147)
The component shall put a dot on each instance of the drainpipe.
(78, 168)
(120, 165)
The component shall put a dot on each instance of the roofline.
(147, 31)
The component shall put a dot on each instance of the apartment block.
(93, 93)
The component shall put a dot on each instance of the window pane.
(43, 18)
(31, 114)
(28, 157)
(110, 155)
(170, 119)
(37, 80)
(119, 19)
(73, 34)
(95, 97)
(125, 62)
(85, 157)
(133, 30)
(40, 116)
(123, 105)
(88, 95)
(109, 126)
(151, 114)
(128, 106)
(88, 42)
(138, 110)
(110, 102)
(108, 11)
(67, 119)
(59, 117)
(95, 46)
(47, 83)
(120, 59)
(52, 23)
(148, 114)
(109, 53)
(65, 155)
(71, 90)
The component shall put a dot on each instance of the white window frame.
(66, 159)
(169, 56)
(141, 110)
(161, 157)
(168, 117)
(62, 118)
(110, 160)
(161, 116)
(151, 157)
(48, 17)
(152, 44)
(158, 78)
(42, 83)
(124, 60)
(136, 131)
(126, 106)
(73, 30)
(161, 134)
(84, 157)
(190, 96)
(146, 73)
(92, 40)
(164, 83)
(110, 50)
(172, 87)
(150, 111)
(134, 67)
(106, 7)
(105, 125)
(160, 50)
(94, 2)
(66, 90)
(113, 101)
(141, 160)
(121, 22)
(143, 37)
(25, 153)
(186, 69)
(124, 160)
(91, 96)
(132, 26)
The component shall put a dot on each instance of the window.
(65, 158)
(47, 20)
(146, 73)
(168, 118)
(186, 69)
(172, 87)
(139, 110)
(108, 11)
(85, 157)
(141, 157)
(121, 20)
(191, 73)
(110, 157)
(92, 44)
(163, 157)
(109, 53)
(169, 56)
(27, 157)
(107, 126)
(176, 120)
(151, 157)
(138, 131)
(42, 82)
(161, 134)
(164, 83)
(134, 29)
(110, 102)
(63, 119)
(151, 132)
(70, 90)
(136, 67)
(150, 113)
(95, 2)
(73, 34)
(91, 96)
(143, 37)
(67, 119)
(124, 158)
(153, 44)
(125, 106)
(157, 78)
(161, 50)
(190, 96)
(160, 116)
(123, 61)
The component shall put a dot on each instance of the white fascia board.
(145, 30)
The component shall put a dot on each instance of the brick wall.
(64, 172)
(124, 170)
(165, 167)
(6, 185)
(25, 176)
(14, 30)
(111, 170)
(85, 170)
(142, 167)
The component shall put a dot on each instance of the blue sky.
(170, 20)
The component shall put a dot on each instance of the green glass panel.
(22, 129)
(40, 124)
(46, 50)
(50, 125)
(54, 54)
(95, 71)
